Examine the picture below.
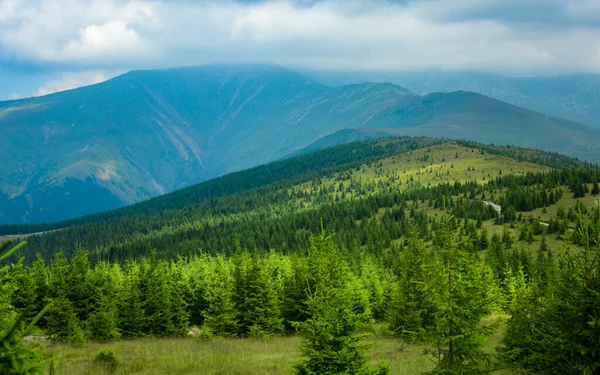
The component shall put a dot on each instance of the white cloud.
(114, 38)
(70, 81)
(14, 96)
(371, 34)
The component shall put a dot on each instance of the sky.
(53, 45)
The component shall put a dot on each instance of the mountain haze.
(573, 97)
(146, 133)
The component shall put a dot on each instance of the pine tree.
(62, 321)
(260, 308)
(102, 322)
(155, 293)
(595, 189)
(39, 275)
(220, 313)
(15, 358)
(378, 281)
(131, 305)
(330, 344)
(63, 325)
(23, 298)
(506, 238)
(554, 327)
(483, 239)
(179, 295)
(79, 292)
(543, 244)
(411, 309)
(465, 292)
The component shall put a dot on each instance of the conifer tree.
(62, 321)
(294, 308)
(555, 328)
(595, 189)
(483, 239)
(507, 239)
(378, 282)
(465, 292)
(158, 314)
(220, 312)
(330, 344)
(131, 304)
(102, 323)
(410, 313)
(23, 298)
(179, 296)
(63, 325)
(260, 308)
(15, 357)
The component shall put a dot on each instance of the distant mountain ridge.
(146, 133)
(573, 97)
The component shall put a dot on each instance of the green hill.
(346, 182)
(147, 133)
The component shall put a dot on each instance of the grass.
(7, 237)
(183, 356)
(445, 163)
(231, 356)
(219, 356)
(567, 201)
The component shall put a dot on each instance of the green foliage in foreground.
(555, 324)
(330, 344)
(464, 292)
(331, 293)
(15, 357)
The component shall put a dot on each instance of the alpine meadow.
(299, 187)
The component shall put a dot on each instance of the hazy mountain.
(149, 132)
(467, 115)
(575, 97)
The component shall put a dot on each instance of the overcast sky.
(51, 45)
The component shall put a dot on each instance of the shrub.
(107, 358)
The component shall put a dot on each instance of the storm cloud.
(515, 37)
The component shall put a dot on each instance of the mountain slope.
(476, 117)
(575, 97)
(467, 115)
(150, 132)
(326, 181)
(146, 133)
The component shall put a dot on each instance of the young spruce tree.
(15, 357)
(330, 344)
(465, 292)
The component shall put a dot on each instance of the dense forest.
(443, 243)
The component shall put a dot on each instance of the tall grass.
(219, 356)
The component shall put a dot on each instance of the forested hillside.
(447, 245)
(277, 189)
(147, 133)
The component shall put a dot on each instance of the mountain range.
(573, 97)
(146, 133)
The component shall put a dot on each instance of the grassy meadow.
(231, 356)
